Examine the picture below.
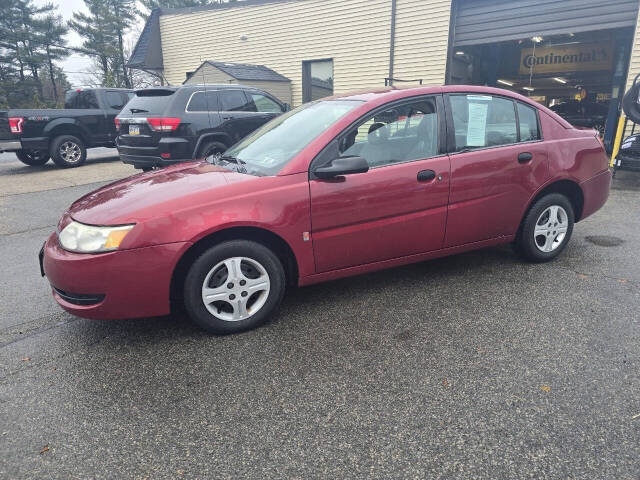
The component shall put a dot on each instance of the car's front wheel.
(234, 286)
(546, 229)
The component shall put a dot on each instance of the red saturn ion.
(338, 187)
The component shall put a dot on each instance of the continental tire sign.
(567, 58)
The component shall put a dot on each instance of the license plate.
(41, 260)
(134, 129)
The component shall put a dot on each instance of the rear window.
(154, 102)
(82, 99)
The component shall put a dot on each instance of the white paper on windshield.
(477, 126)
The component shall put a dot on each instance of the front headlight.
(82, 238)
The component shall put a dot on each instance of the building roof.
(147, 53)
(245, 71)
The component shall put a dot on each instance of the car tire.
(33, 158)
(245, 283)
(210, 148)
(68, 151)
(630, 104)
(546, 228)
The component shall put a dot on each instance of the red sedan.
(338, 187)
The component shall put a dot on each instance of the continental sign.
(567, 58)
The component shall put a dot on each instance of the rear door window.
(528, 118)
(234, 101)
(265, 104)
(150, 102)
(81, 99)
(203, 102)
(481, 121)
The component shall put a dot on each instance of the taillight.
(165, 124)
(15, 124)
(117, 122)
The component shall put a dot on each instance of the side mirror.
(286, 108)
(342, 166)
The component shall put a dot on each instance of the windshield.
(271, 147)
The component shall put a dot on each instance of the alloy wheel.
(70, 152)
(551, 228)
(236, 289)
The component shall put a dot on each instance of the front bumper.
(10, 145)
(122, 284)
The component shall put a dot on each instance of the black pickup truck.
(63, 135)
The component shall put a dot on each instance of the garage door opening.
(548, 53)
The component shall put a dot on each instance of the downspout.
(392, 42)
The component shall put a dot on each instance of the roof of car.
(218, 86)
(386, 94)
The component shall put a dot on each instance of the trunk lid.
(135, 129)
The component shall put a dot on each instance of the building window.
(317, 79)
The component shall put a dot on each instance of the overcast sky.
(77, 63)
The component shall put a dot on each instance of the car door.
(496, 165)
(399, 206)
(266, 107)
(237, 113)
(90, 115)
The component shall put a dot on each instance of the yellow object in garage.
(618, 140)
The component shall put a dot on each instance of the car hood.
(158, 193)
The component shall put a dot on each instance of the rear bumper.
(10, 145)
(175, 148)
(35, 143)
(595, 192)
(121, 284)
(144, 161)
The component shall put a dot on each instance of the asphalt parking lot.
(474, 366)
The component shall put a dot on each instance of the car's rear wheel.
(546, 229)
(211, 148)
(68, 151)
(234, 286)
(33, 158)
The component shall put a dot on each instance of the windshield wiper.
(138, 110)
(241, 164)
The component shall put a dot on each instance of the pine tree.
(51, 32)
(98, 36)
(26, 51)
(121, 17)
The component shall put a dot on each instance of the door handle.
(525, 157)
(426, 175)
(227, 118)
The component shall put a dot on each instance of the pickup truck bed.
(64, 135)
